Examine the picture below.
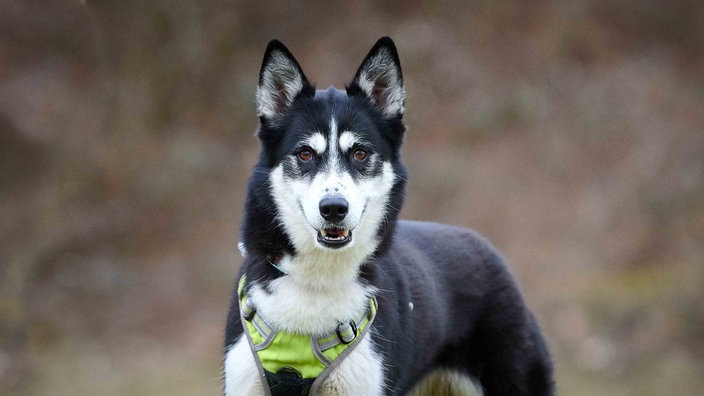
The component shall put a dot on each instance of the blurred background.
(571, 133)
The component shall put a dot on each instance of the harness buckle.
(346, 332)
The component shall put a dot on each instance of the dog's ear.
(380, 79)
(281, 80)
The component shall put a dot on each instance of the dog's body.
(322, 239)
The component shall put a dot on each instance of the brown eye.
(305, 155)
(360, 155)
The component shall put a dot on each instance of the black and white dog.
(338, 297)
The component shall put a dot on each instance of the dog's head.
(329, 170)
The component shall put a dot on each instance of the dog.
(336, 295)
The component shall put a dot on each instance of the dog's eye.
(359, 155)
(305, 155)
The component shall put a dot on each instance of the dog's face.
(333, 156)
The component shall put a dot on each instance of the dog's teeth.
(345, 233)
(323, 233)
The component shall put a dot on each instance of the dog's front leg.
(241, 374)
(360, 373)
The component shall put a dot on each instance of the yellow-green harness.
(291, 363)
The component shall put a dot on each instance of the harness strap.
(289, 348)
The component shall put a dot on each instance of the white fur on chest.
(296, 307)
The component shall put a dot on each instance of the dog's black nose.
(333, 208)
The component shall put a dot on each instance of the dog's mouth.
(334, 237)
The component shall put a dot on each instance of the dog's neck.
(315, 292)
(320, 269)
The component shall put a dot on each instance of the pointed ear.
(380, 79)
(281, 80)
